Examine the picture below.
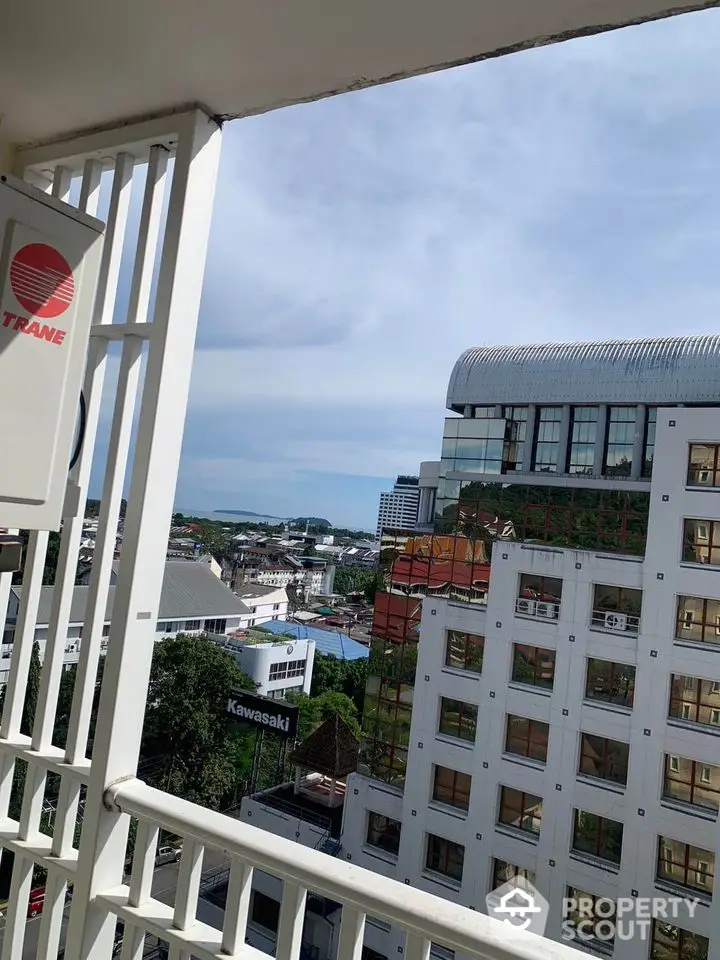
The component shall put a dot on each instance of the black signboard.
(263, 712)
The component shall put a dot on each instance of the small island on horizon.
(314, 521)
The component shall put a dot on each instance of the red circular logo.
(42, 280)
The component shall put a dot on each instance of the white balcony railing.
(615, 621)
(424, 918)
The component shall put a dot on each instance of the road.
(163, 889)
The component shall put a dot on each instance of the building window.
(383, 833)
(649, 445)
(458, 719)
(691, 781)
(695, 700)
(286, 670)
(701, 541)
(276, 606)
(604, 759)
(106, 629)
(452, 788)
(546, 454)
(533, 666)
(597, 836)
(620, 442)
(464, 651)
(583, 427)
(503, 872)
(704, 465)
(616, 608)
(193, 624)
(515, 436)
(698, 620)
(520, 810)
(594, 916)
(161, 628)
(265, 911)
(685, 865)
(216, 626)
(610, 682)
(673, 943)
(473, 445)
(445, 857)
(538, 597)
(527, 738)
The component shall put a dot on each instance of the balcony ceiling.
(76, 65)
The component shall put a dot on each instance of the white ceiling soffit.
(75, 65)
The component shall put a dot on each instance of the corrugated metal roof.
(654, 371)
(190, 591)
(333, 643)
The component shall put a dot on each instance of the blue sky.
(360, 244)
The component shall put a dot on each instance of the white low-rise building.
(264, 602)
(193, 600)
(277, 665)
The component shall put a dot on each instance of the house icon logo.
(518, 904)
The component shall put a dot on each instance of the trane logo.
(275, 721)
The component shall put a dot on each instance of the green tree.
(186, 721)
(331, 675)
(315, 710)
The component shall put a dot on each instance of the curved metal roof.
(660, 370)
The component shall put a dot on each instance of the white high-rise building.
(399, 506)
(546, 689)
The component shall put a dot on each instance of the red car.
(36, 901)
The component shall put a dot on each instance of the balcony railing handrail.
(421, 914)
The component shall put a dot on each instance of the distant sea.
(227, 517)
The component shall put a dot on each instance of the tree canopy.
(315, 710)
(331, 675)
(201, 750)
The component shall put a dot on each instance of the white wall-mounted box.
(49, 261)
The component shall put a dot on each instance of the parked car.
(36, 901)
(167, 854)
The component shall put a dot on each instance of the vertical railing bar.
(62, 179)
(5, 585)
(352, 929)
(143, 868)
(52, 915)
(65, 817)
(90, 187)
(17, 907)
(237, 906)
(23, 639)
(150, 221)
(416, 947)
(119, 445)
(292, 918)
(188, 885)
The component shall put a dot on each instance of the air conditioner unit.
(546, 611)
(616, 621)
(525, 607)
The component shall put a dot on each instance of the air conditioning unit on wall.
(526, 607)
(546, 611)
(616, 621)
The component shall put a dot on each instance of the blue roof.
(332, 643)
